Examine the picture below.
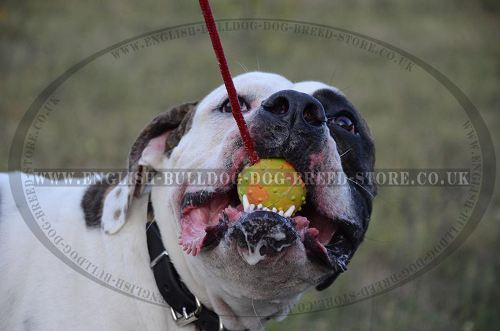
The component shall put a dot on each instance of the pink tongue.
(301, 225)
(233, 214)
(195, 221)
(193, 230)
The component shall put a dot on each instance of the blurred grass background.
(414, 120)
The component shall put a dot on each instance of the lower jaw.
(210, 236)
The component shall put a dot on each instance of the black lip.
(341, 247)
(214, 234)
(202, 197)
(197, 198)
(338, 252)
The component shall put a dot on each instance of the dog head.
(239, 255)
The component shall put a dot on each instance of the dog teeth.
(246, 204)
(249, 207)
(290, 210)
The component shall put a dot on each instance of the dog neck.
(235, 311)
(248, 313)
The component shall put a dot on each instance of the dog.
(247, 266)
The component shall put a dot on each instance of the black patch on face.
(93, 200)
(357, 149)
(357, 153)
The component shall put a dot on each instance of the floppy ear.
(107, 204)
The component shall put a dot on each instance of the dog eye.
(345, 122)
(226, 106)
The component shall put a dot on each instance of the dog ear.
(155, 142)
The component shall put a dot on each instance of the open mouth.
(207, 217)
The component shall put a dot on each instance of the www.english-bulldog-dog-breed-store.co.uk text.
(214, 262)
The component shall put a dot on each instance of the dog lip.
(267, 224)
(262, 234)
(215, 233)
(199, 198)
(333, 254)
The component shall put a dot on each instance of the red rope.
(226, 76)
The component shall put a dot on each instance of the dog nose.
(295, 107)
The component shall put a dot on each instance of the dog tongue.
(204, 225)
(233, 214)
(301, 225)
(193, 230)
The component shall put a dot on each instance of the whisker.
(255, 312)
(332, 76)
(378, 240)
(345, 152)
(369, 193)
(245, 69)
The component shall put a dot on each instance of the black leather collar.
(185, 307)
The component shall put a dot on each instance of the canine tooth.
(290, 210)
(246, 204)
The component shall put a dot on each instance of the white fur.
(113, 203)
(39, 292)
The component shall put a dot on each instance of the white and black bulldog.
(223, 262)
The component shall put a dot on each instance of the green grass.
(415, 121)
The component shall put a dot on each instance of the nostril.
(313, 114)
(277, 106)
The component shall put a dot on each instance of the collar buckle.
(186, 318)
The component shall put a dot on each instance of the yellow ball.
(273, 183)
